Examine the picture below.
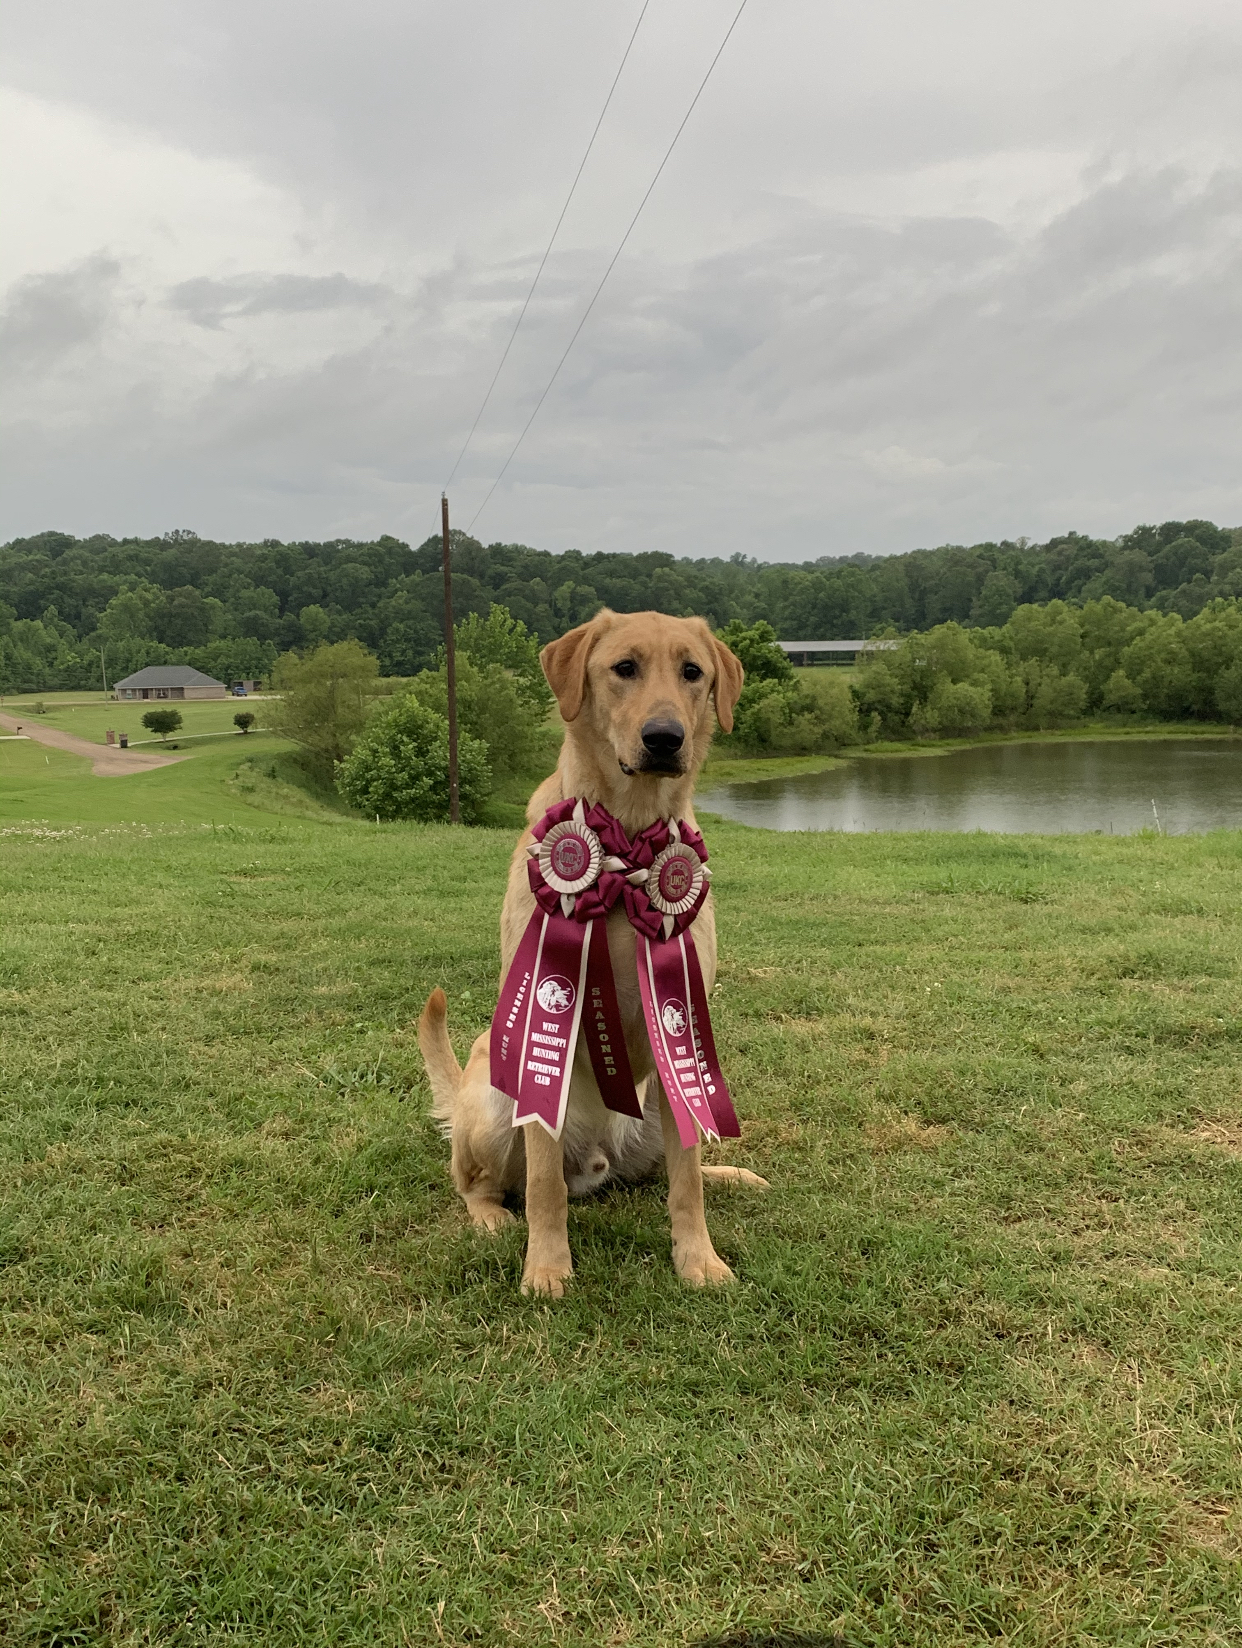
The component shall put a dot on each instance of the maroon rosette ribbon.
(560, 983)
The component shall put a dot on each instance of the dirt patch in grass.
(1225, 1134)
(905, 1133)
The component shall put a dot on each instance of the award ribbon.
(560, 982)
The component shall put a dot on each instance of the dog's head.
(643, 684)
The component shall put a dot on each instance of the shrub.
(244, 719)
(325, 697)
(399, 766)
(880, 696)
(1108, 628)
(1158, 663)
(162, 722)
(1120, 694)
(763, 714)
(1003, 682)
(960, 707)
(795, 717)
(502, 640)
(776, 713)
(947, 680)
(755, 645)
(490, 707)
(829, 708)
(1213, 641)
(944, 653)
(1051, 696)
(1229, 694)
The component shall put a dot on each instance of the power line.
(586, 312)
(551, 243)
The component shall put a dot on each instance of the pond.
(1057, 788)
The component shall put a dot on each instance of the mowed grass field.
(216, 783)
(979, 1379)
(91, 721)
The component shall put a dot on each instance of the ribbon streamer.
(560, 982)
(604, 1030)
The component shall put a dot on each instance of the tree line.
(1046, 666)
(74, 608)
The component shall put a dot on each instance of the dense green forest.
(1046, 666)
(230, 609)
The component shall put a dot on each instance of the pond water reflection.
(1053, 789)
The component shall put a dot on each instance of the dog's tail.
(443, 1071)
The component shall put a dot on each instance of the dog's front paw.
(702, 1267)
(549, 1280)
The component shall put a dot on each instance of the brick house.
(169, 681)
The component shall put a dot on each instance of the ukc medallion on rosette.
(560, 983)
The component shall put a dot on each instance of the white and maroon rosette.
(581, 864)
(570, 857)
(560, 982)
(676, 879)
(669, 882)
(663, 899)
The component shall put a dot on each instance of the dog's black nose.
(663, 737)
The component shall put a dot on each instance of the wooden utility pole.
(450, 659)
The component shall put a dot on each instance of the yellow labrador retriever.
(636, 693)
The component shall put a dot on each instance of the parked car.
(239, 692)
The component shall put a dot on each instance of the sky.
(914, 273)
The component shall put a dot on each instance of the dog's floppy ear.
(565, 661)
(727, 686)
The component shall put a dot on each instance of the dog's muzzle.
(662, 742)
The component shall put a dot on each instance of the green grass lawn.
(40, 783)
(979, 1379)
(92, 720)
(225, 781)
(11, 701)
(802, 672)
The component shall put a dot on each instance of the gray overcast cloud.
(915, 273)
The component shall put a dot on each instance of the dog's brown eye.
(627, 669)
(691, 672)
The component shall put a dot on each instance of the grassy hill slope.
(979, 1378)
(41, 783)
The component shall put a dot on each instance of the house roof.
(835, 646)
(168, 675)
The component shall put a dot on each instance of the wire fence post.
(450, 660)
